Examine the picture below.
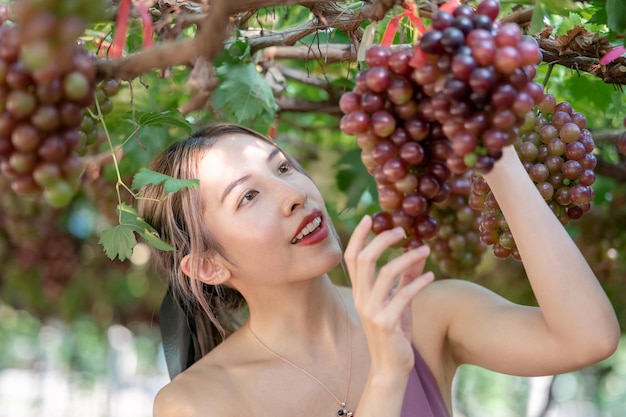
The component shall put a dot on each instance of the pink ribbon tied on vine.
(612, 55)
(121, 27)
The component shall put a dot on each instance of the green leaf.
(153, 239)
(560, 7)
(353, 179)
(243, 93)
(118, 241)
(536, 20)
(167, 118)
(616, 15)
(129, 217)
(146, 176)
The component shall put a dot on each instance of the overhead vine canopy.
(90, 91)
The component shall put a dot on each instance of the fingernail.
(399, 231)
(424, 250)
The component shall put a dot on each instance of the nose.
(291, 197)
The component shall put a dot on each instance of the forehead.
(237, 147)
(230, 158)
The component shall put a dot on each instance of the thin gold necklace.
(342, 411)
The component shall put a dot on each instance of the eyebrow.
(238, 181)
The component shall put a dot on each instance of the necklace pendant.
(344, 413)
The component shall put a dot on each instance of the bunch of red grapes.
(556, 150)
(479, 75)
(46, 82)
(449, 105)
(405, 152)
(429, 118)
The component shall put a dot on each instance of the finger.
(367, 260)
(357, 241)
(397, 268)
(417, 268)
(354, 247)
(403, 297)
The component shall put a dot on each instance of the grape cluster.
(402, 150)
(91, 134)
(31, 240)
(479, 76)
(46, 82)
(457, 247)
(448, 105)
(556, 150)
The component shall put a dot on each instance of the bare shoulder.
(193, 393)
(208, 389)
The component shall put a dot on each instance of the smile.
(314, 224)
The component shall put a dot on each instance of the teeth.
(307, 229)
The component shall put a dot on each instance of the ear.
(211, 270)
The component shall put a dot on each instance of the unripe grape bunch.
(556, 150)
(457, 247)
(46, 82)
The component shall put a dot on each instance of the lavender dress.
(422, 397)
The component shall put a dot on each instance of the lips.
(310, 225)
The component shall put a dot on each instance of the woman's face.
(269, 218)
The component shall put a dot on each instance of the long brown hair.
(178, 217)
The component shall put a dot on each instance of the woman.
(256, 229)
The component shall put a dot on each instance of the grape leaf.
(146, 176)
(546, 8)
(243, 93)
(536, 20)
(616, 15)
(561, 7)
(118, 241)
(168, 118)
(130, 218)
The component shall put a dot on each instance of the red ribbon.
(410, 12)
(146, 22)
(121, 27)
(420, 57)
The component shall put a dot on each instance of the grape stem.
(114, 156)
(547, 77)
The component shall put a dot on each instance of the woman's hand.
(383, 306)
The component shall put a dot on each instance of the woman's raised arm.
(575, 324)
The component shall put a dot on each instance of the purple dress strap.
(423, 397)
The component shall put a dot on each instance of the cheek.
(249, 235)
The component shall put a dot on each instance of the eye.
(284, 166)
(248, 196)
